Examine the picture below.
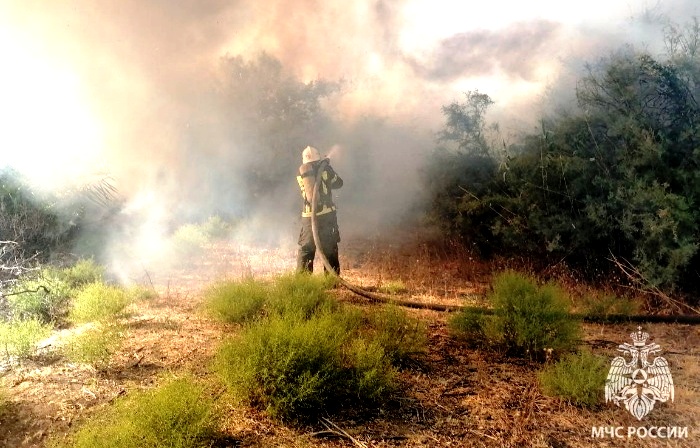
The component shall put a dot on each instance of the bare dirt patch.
(452, 396)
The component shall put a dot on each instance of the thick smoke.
(156, 76)
(517, 51)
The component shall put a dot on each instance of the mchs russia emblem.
(638, 383)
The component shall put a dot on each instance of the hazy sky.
(108, 84)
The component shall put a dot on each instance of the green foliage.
(373, 376)
(45, 296)
(216, 228)
(291, 366)
(274, 112)
(83, 272)
(179, 414)
(189, 240)
(400, 336)
(236, 301)
(241, 301)
(527, 319)
(619, 174)
(305, 355)
(578, 378)
(93, 345)
(139, 292)
(393, 287)
(98, 302)
(33, 222)
(469, 325)
(601, 304)
(300, 293)
(18, 338)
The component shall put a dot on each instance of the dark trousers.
(328, 236)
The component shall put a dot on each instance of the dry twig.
(333, 429)
(643, 285)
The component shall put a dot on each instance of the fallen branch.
(46, 290)
(643, 285)
(333, 429)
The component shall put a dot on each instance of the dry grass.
(452, 396)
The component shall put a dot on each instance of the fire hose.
(607, 318)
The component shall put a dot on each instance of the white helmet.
(310, 154)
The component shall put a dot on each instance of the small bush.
(470, 325)
(300, 293)
(179, 414)
(138, 292)
(289, 365)
(393, 287)
(236, 302)
(98, 301)
(373, 375)
(93, 346)
(18, 338)
(527, 319)
(189, 240)
(83, 272)
(578, 378)
(608, 304)
(45, 297)
(400, 335)
(215, 227)
(304, 354)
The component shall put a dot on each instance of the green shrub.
(32, 219)
(45, 297)
(18, 338)
(289, 365)
(373, 376)
(393, 287)
(607, 304)
(215, 227)
(527, 319)
(188, 240)
(400, 335)
(94, 345)
(300, 293)
(98, 301)
(138, 292)
(304, 354)
(579, 378)
(236, 301)
(470, 325)
(179, 414)
(83, 272)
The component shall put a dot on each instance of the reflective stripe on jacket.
(329, 181)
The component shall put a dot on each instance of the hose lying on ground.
(608, 318)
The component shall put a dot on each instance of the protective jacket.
(329, 180)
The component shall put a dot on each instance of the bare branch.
(336, 430)
(643, 285)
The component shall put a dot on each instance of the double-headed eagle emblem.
(638, 383)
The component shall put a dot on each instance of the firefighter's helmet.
(310, 154)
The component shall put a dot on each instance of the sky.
(109, 86)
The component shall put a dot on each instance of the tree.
(272, 116)
(620, 175)
(461, 170)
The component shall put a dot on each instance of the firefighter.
(326, 219)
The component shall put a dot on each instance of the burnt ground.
(453, 395)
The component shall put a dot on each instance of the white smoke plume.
(137, 89)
